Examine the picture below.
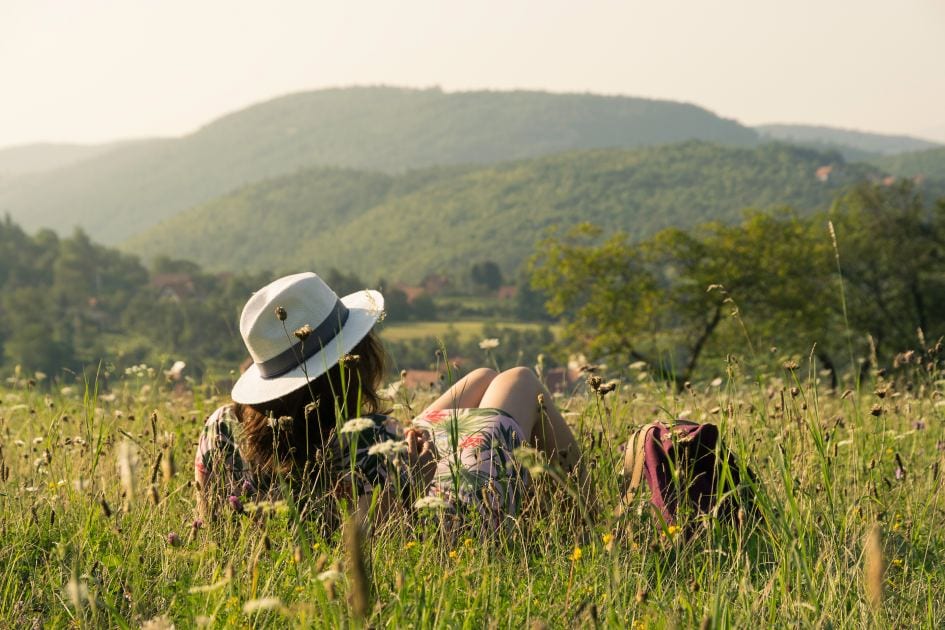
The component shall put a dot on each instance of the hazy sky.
(90, 70)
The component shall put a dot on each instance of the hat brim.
(364, 310)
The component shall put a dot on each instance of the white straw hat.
(284, 362)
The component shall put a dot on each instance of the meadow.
(98, 529)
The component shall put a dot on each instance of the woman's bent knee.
(482, 375)
(518, 375)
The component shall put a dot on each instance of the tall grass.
(850, 531)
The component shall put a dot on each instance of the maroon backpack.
(702, 484)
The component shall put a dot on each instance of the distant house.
(434, 283)
(412, 292)
(823, 173)
(174, 286)
(422, 378)
(507, 292)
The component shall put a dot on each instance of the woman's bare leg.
(515, 392)
(466, 392)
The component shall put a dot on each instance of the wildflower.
(329, 576)
(38, 440)
(161, 622)
(356, 425)
(453, 554)
(303, 332)
(431, 503)
(468, 543)
(576, 554)
(235, 503)
(607, 538)
(176, 371)
(489, 344)
(281, 314)
(263, 603)
(77, 591)
(388, 448)
(672, 530)
(173, 539)
(410, 544)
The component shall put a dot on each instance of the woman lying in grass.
(305, 419)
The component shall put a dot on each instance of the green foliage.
(854, 145)
(124, 190)
(405, 227)
(928, 164)
(772, 280)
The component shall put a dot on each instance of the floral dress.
(476, 469)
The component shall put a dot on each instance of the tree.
(486, 274)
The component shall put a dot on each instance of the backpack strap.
(633, 462)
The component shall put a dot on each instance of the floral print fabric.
(476, 468)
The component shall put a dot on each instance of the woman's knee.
(518, 377)
(482, 375)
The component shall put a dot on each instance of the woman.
(305, 417)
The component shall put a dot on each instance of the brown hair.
(286, 435)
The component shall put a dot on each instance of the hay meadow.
(98, 525)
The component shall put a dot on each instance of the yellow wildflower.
(468, 543)
(410, 544)
(672, 530)
(576, 554)
(454, 554)
(607, 538)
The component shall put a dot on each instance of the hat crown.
(305, 298)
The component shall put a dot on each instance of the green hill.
(118, 194)
(854, 145)
(40, 157)
(405, 226)
(929, 164)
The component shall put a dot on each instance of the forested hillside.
(854, 145)
(406, 226)
(929, 163)
(122, 192)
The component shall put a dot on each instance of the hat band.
(305, 349)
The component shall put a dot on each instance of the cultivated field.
(97, 525)
(464, 330)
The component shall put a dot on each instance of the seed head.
(303, 332)
(280, 314)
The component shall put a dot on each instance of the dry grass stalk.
(874, 566)
(359, 592)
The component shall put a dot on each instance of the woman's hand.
(420, 456)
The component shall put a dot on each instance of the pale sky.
(97, 70)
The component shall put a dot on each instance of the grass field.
(465, 330)
(76, 549)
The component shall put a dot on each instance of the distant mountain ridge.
(46, 156)
(854, 145)
(404, 226)
(916, 164)
(124, 191)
